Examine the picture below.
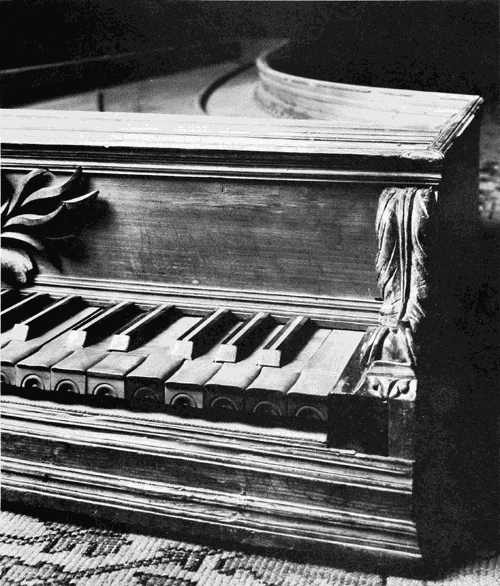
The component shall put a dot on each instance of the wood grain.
(302, 238)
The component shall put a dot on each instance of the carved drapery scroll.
(35, 213)
(406, 233)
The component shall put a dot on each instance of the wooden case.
(366, 227)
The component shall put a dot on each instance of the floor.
(35, 552)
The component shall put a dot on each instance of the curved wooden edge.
(420, 114)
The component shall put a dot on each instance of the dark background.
(448, 46)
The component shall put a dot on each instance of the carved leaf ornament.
(36, 212)
(406, 232)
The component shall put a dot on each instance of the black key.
(243, 341)
(224, 392)
(144, 385)
(46, 319)
(23, 309)
(281, 349)
(143, 329)
(204, 335)
(106, 323)
(8, 297)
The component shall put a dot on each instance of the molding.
(421, 114)
(33, 214)
(406, 233)
(124, 163)
(208, 479)
(285, 450)
(348, 313)
(209, 146)
(205, 515)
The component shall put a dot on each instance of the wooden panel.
(267, 236)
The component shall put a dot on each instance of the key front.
(89, 343)
(106, 379)
(24, 358)
(307, 398)
(266, 396)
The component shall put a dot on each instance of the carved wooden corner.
(33, 214)
(406, 234)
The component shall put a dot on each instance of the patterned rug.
(36, 552)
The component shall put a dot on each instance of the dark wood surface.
(241, 235)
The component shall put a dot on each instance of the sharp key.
(165, 340)
(47, 318)
(47, 343)
(204, 335)
(8, 297)
(23, 309)
(106, 378)
(266, 395)
(284, 345)
(143, 329)
(106, 323)
(245, 339)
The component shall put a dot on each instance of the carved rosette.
(406, 233)
(35, 213)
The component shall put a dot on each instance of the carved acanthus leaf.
(36, 212)
(406, 233)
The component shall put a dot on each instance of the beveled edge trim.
(290, 452)
(122, 166)
(455, 125)
(343, 312)
(202, 514)
(160, 490)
